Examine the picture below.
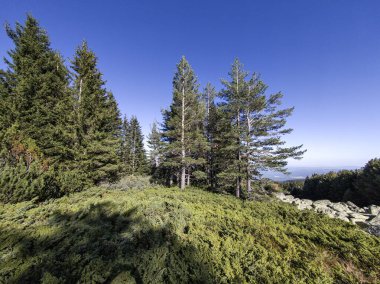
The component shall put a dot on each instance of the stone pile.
(367, 218)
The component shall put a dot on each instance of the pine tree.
(208, 98)
(138, 159)
(154, 144)
(126, 146)
(257, 129)
(232, 107)
(98, 125)
(183, 127)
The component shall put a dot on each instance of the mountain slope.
(165, 235)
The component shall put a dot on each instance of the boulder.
(303, 206)
(373, 230)
(342, 216)
(326, 210)
(353, 207)
(376, 220)
(323, 202)
(340, 207)
(374, 210)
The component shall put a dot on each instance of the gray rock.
(373, 230)
(340, 207)
(303, 206)
(326, 210)
(342, 216)
(375, 220)
(354, 208)
(374, 210)
(323, 202)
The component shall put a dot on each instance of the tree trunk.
(183, 150)
(238, 179)
(249, 190)
(188, 179)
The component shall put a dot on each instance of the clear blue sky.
(323, 55)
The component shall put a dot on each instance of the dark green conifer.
(38, 84)
(257, 128)
(98, 124)
(184, 150)
(155, 145)
(138, 159)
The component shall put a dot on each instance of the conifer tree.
(37, 134)
(208, 97)
(38, 84)
(154, 144)
(257, 129)
(98, 126)
(232, 107)
(126, 146)
(138, 159)
(183, 127)
(6, 109)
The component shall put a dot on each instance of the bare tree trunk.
(183, 152)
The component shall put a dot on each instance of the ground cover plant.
(164, 235)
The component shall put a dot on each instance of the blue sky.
(323, 55)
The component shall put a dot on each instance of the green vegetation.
(165, 235)
(359, 186)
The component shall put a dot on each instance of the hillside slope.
(164, 235)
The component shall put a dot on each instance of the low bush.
(171, 236)
(131, 182)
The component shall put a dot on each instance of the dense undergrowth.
(165, 235)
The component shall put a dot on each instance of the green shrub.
(168, 236)
(20, 183)
(131, 182)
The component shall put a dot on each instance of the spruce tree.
(186, 144)
(38, 84)
(37, 133)
(138, 159)
(154, 144)
(126, 146)
(98, 123)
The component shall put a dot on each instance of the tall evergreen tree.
(126, 145)
(183, 127)
(208, 97)
(154, 143)
(40, 97)
(232, 107)
(37, 133)
(257, 129)
(138, 159)
(98, 123)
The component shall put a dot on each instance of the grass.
(168, 236)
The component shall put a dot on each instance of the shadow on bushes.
(96, 246)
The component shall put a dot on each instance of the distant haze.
(299, 173)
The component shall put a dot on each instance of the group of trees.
(60, 128)
(359, 186)
(222, 140)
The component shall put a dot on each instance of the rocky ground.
(367, 218)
